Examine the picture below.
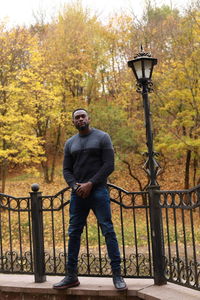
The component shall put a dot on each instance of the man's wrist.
(75, 187)
(90, 183)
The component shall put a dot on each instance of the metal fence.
(158, 234)
(16, 254)
(181, 230)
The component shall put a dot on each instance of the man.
(88, 161)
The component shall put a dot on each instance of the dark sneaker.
(67, 282)
(119, 282)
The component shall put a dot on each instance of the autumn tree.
(61, 75)
(76, 60)
(17, 144)
(178, 98)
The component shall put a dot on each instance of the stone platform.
(23, 287)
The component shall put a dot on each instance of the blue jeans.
(99, 202)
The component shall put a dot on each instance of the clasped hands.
(83, 190)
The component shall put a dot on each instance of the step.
(23, 287)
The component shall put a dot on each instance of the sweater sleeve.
(107, 157)
(68, 166)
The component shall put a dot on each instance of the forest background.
(50, 68)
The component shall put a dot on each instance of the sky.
(22, 12)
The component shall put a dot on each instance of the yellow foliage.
(76, 61)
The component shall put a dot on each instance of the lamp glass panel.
(138, 68)
(147, 68)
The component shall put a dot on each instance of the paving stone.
(168, 292)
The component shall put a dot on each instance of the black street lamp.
(142, 66)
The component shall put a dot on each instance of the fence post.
(37, 234)
(157, 236)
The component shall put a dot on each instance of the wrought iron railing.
(158, 234)
(93, 259)
(16, 255)
(181, 227)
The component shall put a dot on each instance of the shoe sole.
(67, 286)
(123, 289)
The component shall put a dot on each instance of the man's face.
(81, 120)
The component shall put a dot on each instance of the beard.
(82, 126)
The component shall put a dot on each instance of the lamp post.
(142, 66)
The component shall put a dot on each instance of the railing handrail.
(111, 199)
(15, 198)
(125, 191)
(161, 192)
(178, 191)
(109, 185)
(8, 197)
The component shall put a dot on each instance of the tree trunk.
(187, 169)
(55, 154)
(144, 199)
(195, 167)
(3, 175)
(45, 169)
(49, 165)
(3, 170)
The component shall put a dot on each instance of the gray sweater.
(88, 158)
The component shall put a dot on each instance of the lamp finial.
(142, 53)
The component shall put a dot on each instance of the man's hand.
(84, 189)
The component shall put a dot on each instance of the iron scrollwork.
(178, 271)
(13, 262)
(91, 264)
